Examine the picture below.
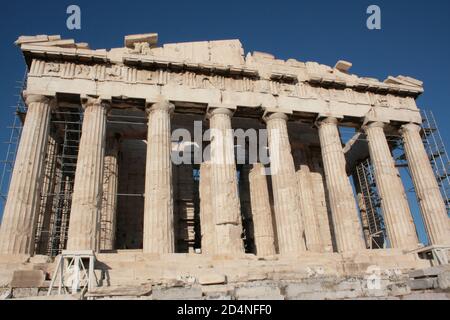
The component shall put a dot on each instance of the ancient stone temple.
(135, 154)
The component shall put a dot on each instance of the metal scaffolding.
(370, 210)
(437, 154)
(19, 111)
(68, 122)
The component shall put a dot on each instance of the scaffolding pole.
(370, 211)
(437, 154)
(13, 142)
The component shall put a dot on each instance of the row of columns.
(295, 229)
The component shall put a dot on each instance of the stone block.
(427, 272)
(261, 292)
(376, 298)
(348, 285)
(5, 293)
(5, 277)
(310, 296)
(28, 279)
(296, 289)
(443, 280)
(25, 292)
(347, 294)
(257, 276)
(217, 289)
(150, 38)
(427, 296)
(212, 278)
(40, 259)
(219, 297)
(423, 284)
(398, 289)
(135, 291)
(193, 293)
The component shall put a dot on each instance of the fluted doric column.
(159, 233)
(207, 225)
(84, 222)
(431, 202)
(321, 207)
(394, 204)
(346, 224)
(18, 228)
(109, 199)
(224, 187)
(261, 212)
(310, 218)
(284, 185)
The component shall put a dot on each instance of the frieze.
(236, 83)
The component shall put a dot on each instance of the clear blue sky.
(414, 39)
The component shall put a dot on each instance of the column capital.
(220, 109)
(410, 127)
(95, 102)
(39, 98)
(326, 120)
(373, 124)
(274, 115)
(163, 105)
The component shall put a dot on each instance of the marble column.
(346, 224)
(159, 233)
(310, 221)
(431, 201)
(18, 228)
(284, 185)
(207, 225)
(394, 204)
(321, 203)
(109, 199)
(261, 212)
(224, 186)
(84, 221)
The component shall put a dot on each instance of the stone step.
(429, 272)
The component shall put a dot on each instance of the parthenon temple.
(95, 170)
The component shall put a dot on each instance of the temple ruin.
(94, 171)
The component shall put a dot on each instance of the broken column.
(394, 204)
(109, 199)
(84, 222)
(347, 229)
(284, 185)
(159, 233)
(17, 231)
(224, 187)
(261, 212)
(430, 199)
(207, 225)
